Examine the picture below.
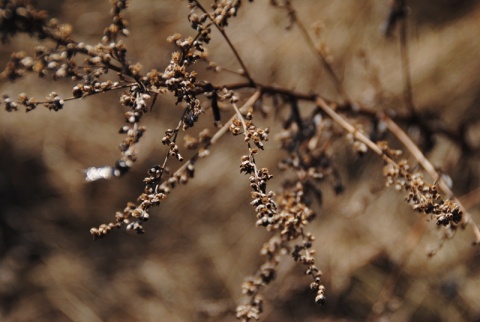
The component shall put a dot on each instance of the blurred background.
(202, 241)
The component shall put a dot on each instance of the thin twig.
(351, 129)
(323, 60)
(234, 50)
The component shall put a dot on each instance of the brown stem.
(234, 50)
(323, 60)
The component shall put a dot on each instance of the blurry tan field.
(202, 241)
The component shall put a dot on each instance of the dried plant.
(307, 141)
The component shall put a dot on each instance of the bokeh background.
(202, 241)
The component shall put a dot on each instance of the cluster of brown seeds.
(224, 10)
(293, 217)
(252, 285)
(154, 193)
(10, 105)
(119, 23)
(29, 103)
(423, 197)
(287, 215)
(82, 90)
(181, 82)
(53, 102)
(266, 210)
(169, 140)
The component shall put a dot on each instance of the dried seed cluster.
(252, 286)
(96, 87)
(293, 217)
(53, 102)
(154, 193)
(423, 197)
(266, 210)
(224, 10)
(263, 202)
(287, 216)
(252, 133)
(182, 83)
(287, 222)
(169, 140)
(10, 105)
(119, 23)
